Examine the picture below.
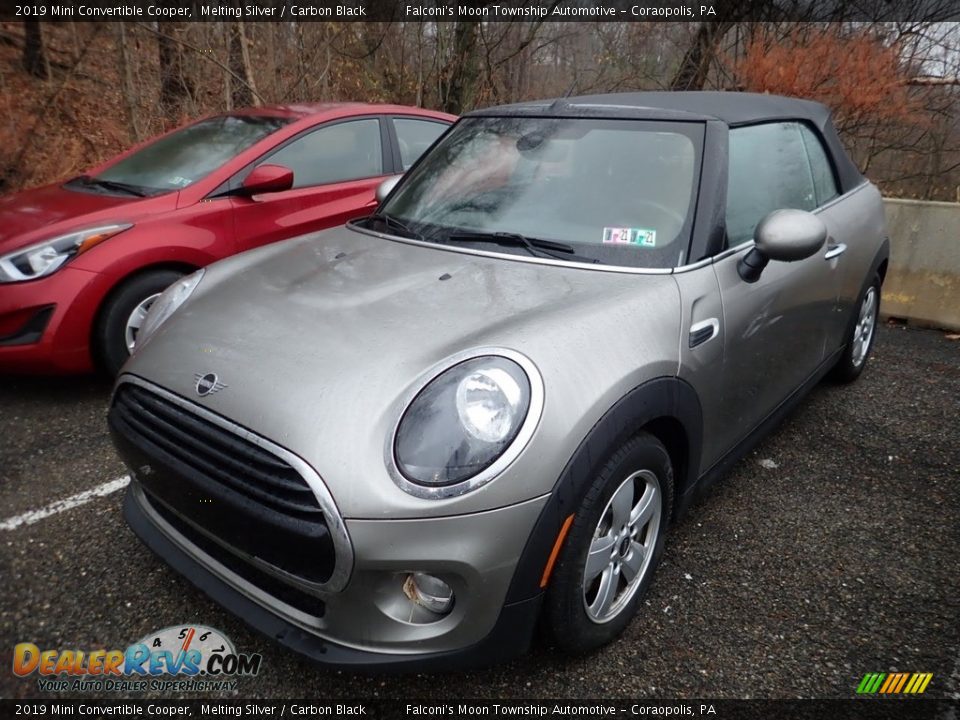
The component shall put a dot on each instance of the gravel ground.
(829, 552)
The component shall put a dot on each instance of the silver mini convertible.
(410, 441)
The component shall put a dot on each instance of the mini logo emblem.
(208, 384)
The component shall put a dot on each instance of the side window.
(415, 136)
(824, 181)
(335, 153)
(768, 171)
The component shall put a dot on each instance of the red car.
(81, 262)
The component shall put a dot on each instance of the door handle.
(835, 250)
(703, 331)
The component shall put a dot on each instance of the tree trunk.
(77, 45)
(419, 98)
(174, 86)
(129, 92)
(463, 69)
(695, 66)
(34, 58)
(228, 80)
(248, 64)
(327, 63)
(243, 94)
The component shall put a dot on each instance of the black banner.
(479, 10)
(856, 709)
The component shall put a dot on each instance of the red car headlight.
(44, 258)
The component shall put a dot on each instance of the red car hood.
(35, 215)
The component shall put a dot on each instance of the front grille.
(239, 492)
(225, 457)
(294, 597)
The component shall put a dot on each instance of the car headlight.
(456, 432)
(44, 258)
(166, 305)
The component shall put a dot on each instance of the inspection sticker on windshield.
(630, 236)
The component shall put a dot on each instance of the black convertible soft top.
(731, 108)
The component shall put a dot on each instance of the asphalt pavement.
(831, 551)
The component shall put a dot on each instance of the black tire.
(852, 362)
(565, 610)
(109, 334)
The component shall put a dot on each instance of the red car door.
(336, 170)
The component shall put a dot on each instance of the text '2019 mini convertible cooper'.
(410, 441)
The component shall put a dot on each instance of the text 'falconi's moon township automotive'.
(478, 410)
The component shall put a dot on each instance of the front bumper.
(184, 503)
(509, 635)
(57, 314)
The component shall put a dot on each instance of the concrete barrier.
(923, 280)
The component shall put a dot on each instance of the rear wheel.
(614, 546)
(860, 336)
(123, 313)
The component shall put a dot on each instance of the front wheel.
(614, 546)
(860, 336)
(122, 315)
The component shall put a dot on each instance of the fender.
(882, 256)
(665, 397)
(880, 260)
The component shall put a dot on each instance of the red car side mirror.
(267, 179)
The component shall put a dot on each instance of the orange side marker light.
(558, 543)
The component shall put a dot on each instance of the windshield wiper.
(113, 185)
(534, 246)
(394, 222)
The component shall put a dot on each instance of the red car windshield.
(187, 155)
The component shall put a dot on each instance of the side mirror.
(384, 188)
(784, 235)
(267, 179)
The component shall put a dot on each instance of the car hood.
(45, 212)
(317, 341)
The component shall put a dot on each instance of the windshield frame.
(699, 131)
(514, 257)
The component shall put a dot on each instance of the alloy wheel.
(135, 320)
(622, 546)
(863, 332)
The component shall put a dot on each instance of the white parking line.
(28, 518)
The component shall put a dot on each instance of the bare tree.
(244, 93)
(175, 88)
(912, 148)
(129, 93)
(463, 69)
(700, 56)
(34, 58)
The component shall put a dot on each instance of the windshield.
(187, 155)
(618, 192)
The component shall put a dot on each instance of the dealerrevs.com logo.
(181, 658)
